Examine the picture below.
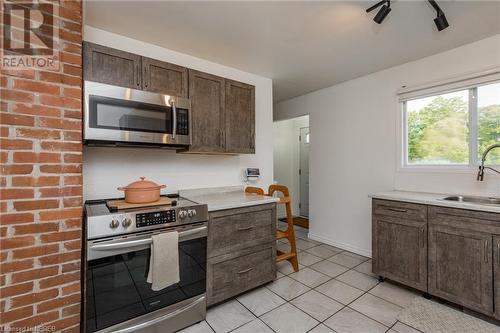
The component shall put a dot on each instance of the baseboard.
(343, 246)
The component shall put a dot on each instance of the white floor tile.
(260, 301)
(346, 260)
(307, 259)
(255, 326)
(309, 277)
(358, 280)
(377, 309)
(288, 319)
(321, 329)
(329, 268)
(228, 316)
(365, 268)
(394, 294)
(321, 251)
(288, 288)
(317, 305)
(339, 291)
(201, 327)
(350, 321)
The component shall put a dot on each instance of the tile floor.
(334, 291)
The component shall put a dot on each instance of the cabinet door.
(496, 274)
(111, 66)
(240, 117)
(164, 78)
(400, 250)
(460, 266)
(207, 95)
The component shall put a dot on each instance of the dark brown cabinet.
(164, 78)
(111, 66)
(496, 274)
(240, 117)
(208, 112)
(460, 259)
(241, 250)
(400, 242)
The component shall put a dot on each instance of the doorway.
(291, 144)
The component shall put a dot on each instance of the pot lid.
(142, 185)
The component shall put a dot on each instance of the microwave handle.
(174, 115)
(146, 241)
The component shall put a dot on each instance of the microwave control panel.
(154, 218)
(182, 122)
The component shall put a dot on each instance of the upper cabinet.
(208, 112)
(240, 117)
(111, 66)
(164, 78)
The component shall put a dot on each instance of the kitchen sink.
(475, 200)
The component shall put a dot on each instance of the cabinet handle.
(246, 228)
(138, 74)
(422, 237)
(486, 251)
(244, 271)
(146, 76)
(399, 210)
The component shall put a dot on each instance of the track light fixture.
(440, 20)
(383, 12)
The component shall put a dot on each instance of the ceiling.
(303, 45)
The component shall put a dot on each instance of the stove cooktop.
(101, 221)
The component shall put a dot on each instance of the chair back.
(278, 188)
(255, 190)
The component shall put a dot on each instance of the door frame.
(300, 169)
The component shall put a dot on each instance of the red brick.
(27, 181)
(70, 14)
(73, 223)
(72, 136)
(76, 71)
(11, 193)
(73, 158)
(59, 280)
(17, 169)
(36, 110)
(60, 258)
(16, 314)
(63, 102)
(61, 168)
(15, 242)
(72, 48)
(61, 146)
(67, 191)
(16, 119)
(57, 303)
(72, 114)
(15, 144)
(61, 236)
(25, 73)
(71, 58)
(73, 180)
(36, 86)
(35, 251)
(16, 266)
(28, 157)
(72, 202)
(71, 267)
(16, 218)
(4, 131)
(16, 289)
(35, 228)
(15, 95)
(36, 133)
(73, 245)
(72, 309)
(60, 78)
(36, 205)
(65, 323)
(34, 274)
(37, 320)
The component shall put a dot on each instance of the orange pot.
(142, 191)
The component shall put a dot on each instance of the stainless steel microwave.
(123, 116)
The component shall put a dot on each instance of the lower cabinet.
(241, 250)
(460, 268)
(496, 274)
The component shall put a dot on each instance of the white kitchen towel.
(164, 261)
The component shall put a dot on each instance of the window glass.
(488, 114)
(437, 129)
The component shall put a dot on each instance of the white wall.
(286, 150)
(354, 151)
(104, 169)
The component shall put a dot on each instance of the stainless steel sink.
(475, 200)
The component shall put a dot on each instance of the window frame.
(473, 144)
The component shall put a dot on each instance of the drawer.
(465, 219)
(398, 209)
(232, 276)
(237, 229)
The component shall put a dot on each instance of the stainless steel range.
(117, 296)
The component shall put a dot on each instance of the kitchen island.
(241, 244)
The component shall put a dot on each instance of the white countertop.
(225, 197)
(433, 199)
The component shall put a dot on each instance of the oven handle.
(174, 115)
(145, 241)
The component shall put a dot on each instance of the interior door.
(304, 171)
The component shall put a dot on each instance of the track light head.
(382, 13)
(441, 22)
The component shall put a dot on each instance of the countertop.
(433, 199)
(225, 197)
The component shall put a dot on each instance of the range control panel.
(154, 218)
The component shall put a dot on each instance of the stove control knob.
(191, 212)
(126, 222)
(183, 214)
(114, 223)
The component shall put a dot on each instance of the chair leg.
(291, 238)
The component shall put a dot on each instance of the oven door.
(123, 115)
(118, 298)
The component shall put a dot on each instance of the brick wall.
(41, 188)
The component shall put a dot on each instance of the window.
(453, 128)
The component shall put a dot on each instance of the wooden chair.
(289, 233)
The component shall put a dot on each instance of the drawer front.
(240, 228)
(465, 219)
(233, 276)
(403, 210)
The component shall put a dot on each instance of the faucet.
(480, 174)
